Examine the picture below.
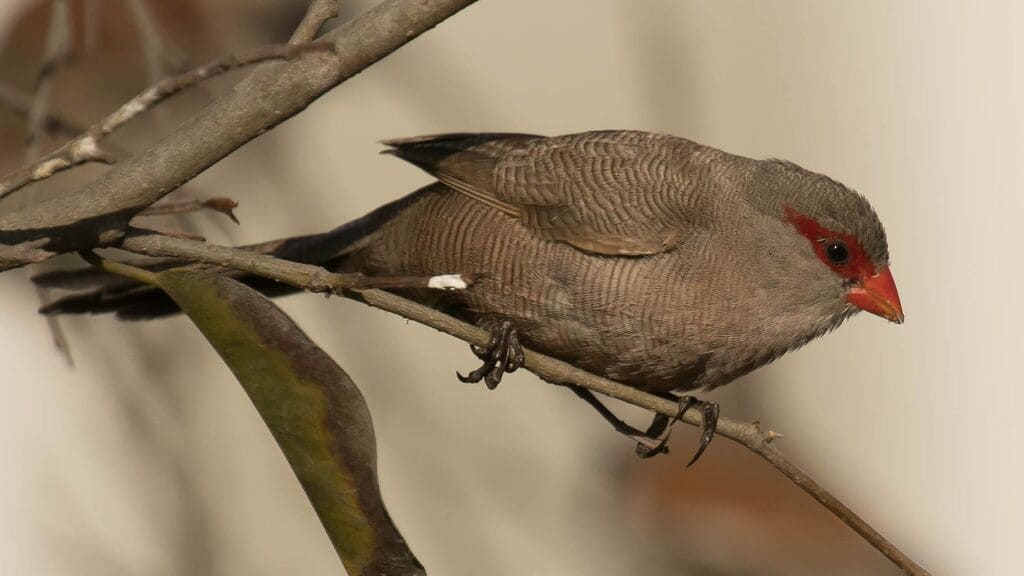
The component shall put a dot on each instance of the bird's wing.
(610, 192)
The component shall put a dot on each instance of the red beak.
(877, 294)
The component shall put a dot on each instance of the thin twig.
(86, 147)
(304, 276)
(58, 50)
(162, 58)
(317, 279)
(319, 12)
(57, 53)
(168, 233)
(25, 253)
(225, 206)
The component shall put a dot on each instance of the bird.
(652, 260)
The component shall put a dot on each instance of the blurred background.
(145, 457)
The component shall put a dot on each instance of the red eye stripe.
(859, 265)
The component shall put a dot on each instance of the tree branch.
(25, 253)
(58, 50)
(317, 279)
(98, 214)
(319, 12)
(304, 276)
(86, 147)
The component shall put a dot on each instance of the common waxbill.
(652, 260)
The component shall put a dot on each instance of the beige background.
(146, 457)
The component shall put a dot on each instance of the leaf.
(314, 410)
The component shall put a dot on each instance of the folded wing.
(609, 192)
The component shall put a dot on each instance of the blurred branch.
(317, 279)
(86, 147)
(20, 102)
(57, 53)
(98, 213)
(319, 12)
(90, 23)
(58, 50)
(160, 55)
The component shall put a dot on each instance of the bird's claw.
(655, 440)
(502, 354)
(709, 418)
(661, 429)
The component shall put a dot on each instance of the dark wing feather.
(465, 162)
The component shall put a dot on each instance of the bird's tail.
(99, 292)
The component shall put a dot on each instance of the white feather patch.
(447, 282)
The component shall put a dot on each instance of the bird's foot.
(502, 354)
(661, 427)
(648, 443)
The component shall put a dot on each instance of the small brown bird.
(649, 259)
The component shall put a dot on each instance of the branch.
(58, 50)
(57, 53)
(225, 206)
(304, 276)
(25, 253)
(90, 24)
(86, 147)
(319, 12)
(98, 213)
(316, 279)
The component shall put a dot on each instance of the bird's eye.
(837, 252)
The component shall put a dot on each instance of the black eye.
(837, 252)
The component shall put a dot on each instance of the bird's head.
(840, 238)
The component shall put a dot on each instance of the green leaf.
(314, 410)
